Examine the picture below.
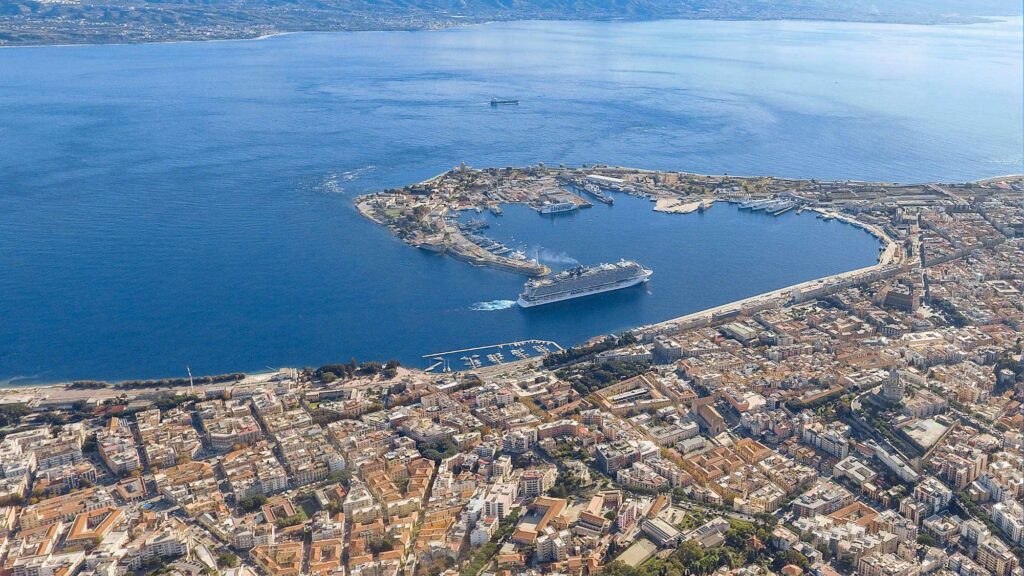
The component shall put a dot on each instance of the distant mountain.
(94, 21)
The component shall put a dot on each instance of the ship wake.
(492, 305)
(334, 182)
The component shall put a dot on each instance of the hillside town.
(868, 424)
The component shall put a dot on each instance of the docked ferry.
(558, 208)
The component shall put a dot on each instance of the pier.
(490, 355)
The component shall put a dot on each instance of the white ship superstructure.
(583, 281)
(558, 208)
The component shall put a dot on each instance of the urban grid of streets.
(868, 423)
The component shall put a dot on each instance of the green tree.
(378, 544)
(252, 503)
(227, 560)
(11, 414)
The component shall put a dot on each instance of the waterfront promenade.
(891, 260)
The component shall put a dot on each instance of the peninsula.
(427, 214)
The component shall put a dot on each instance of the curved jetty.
(425, 215)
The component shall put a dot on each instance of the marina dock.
(490, 355)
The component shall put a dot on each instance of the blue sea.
(190, 204)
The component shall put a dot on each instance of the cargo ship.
(583, 281)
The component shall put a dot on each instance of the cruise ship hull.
(559, 209)
(581, 293)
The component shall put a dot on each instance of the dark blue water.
(164, 205)
(700, 260)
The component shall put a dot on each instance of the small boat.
(474, 225)
(503, 101)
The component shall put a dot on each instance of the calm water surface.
(164, 205)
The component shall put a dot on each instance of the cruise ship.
(583, 281)
(558, 208)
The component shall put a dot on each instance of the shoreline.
(161, 42)
(886, 258)
(964, 20)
